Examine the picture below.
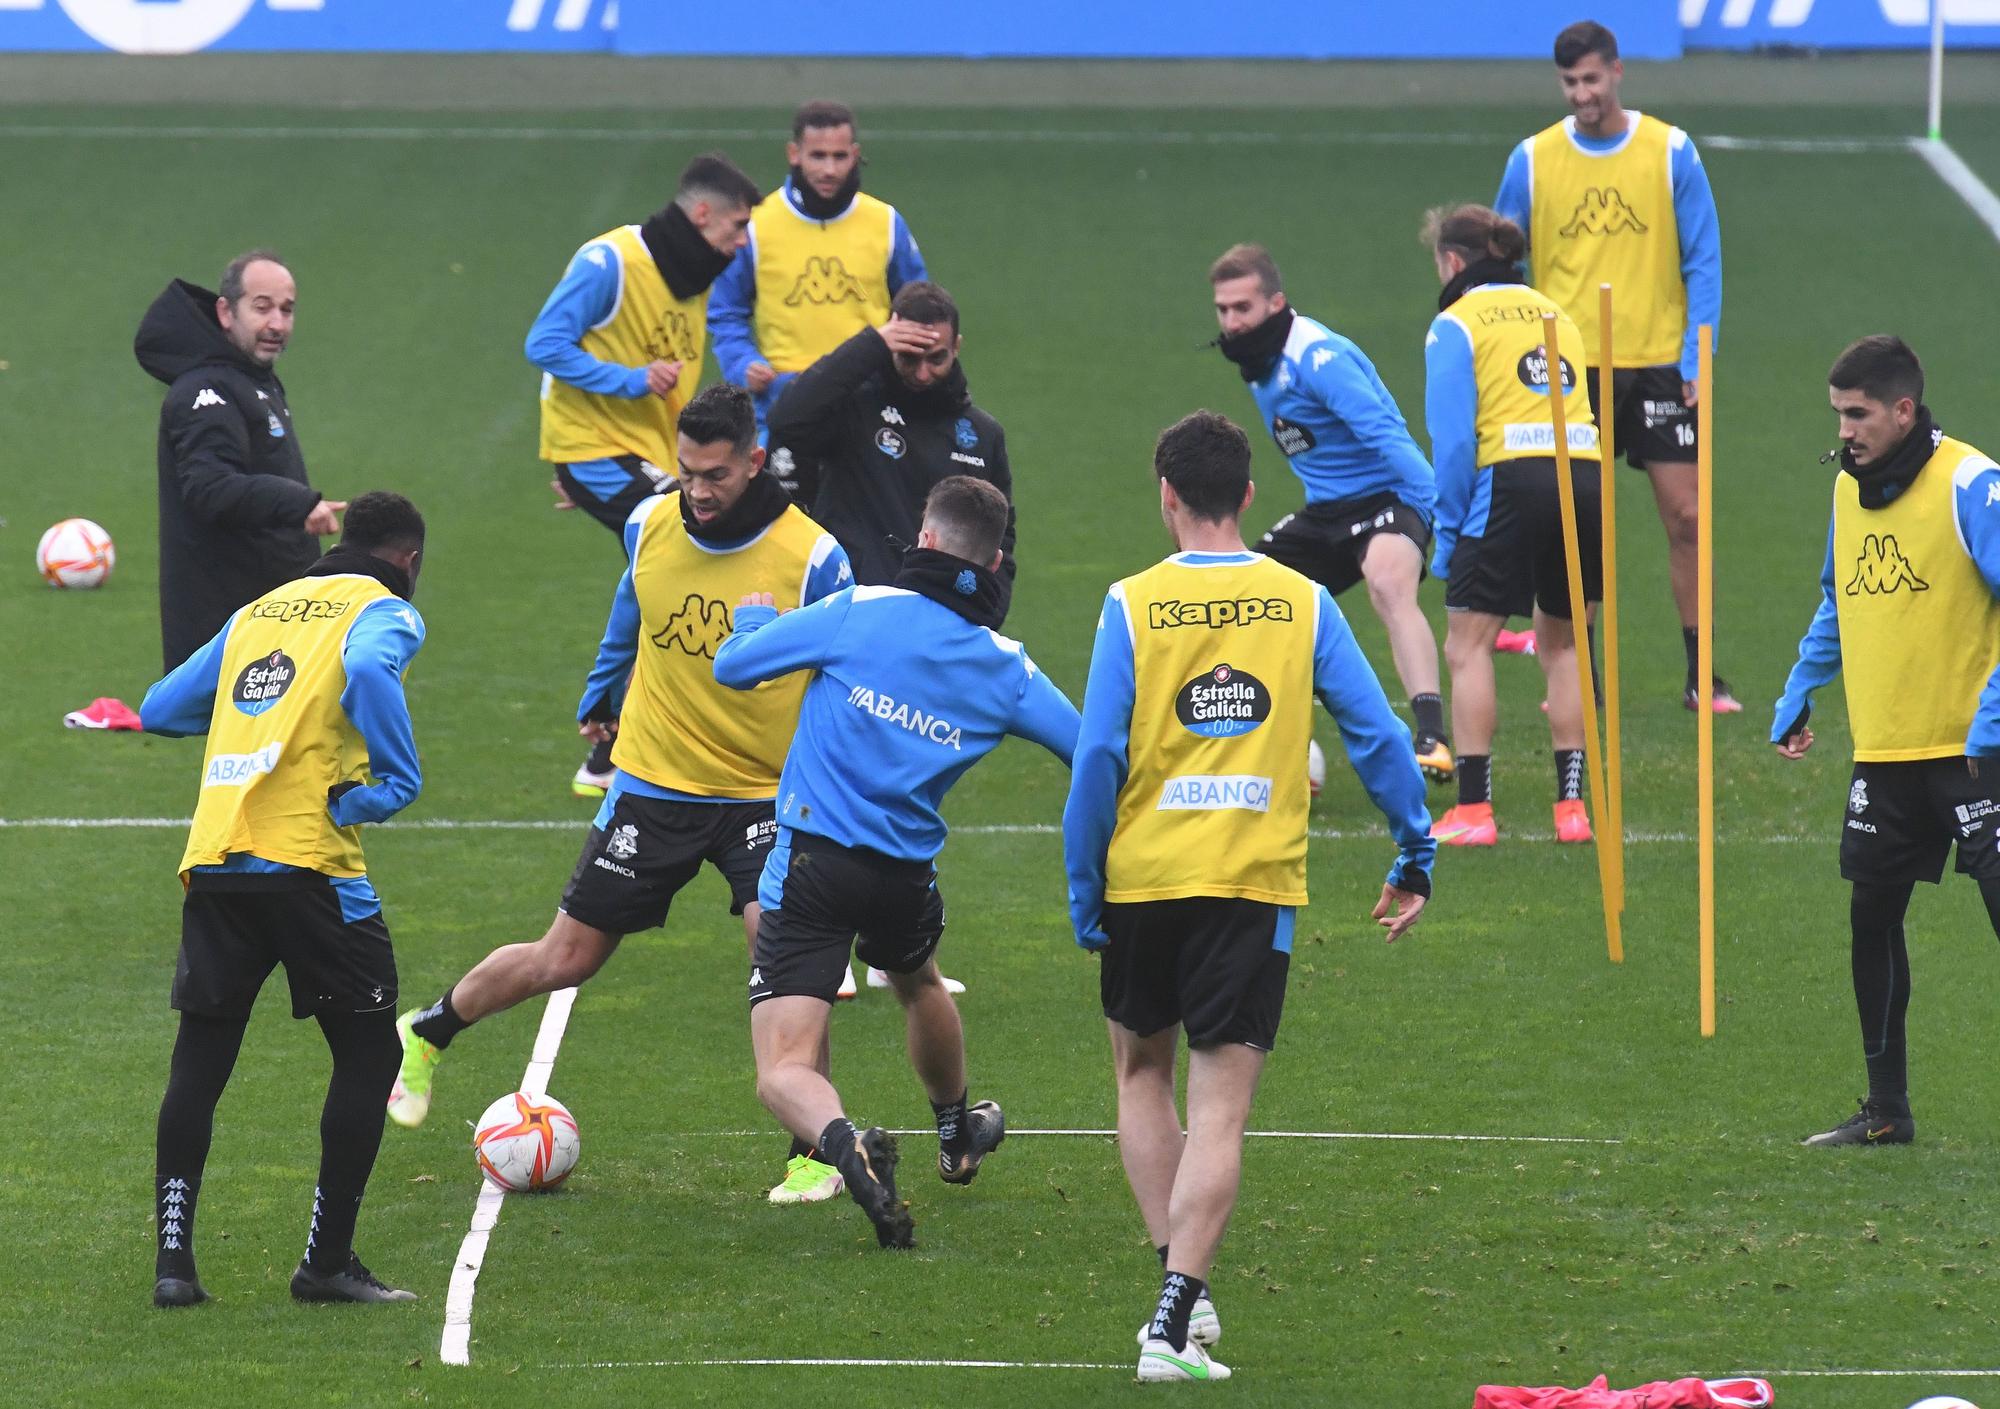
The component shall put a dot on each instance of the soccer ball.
(75, 553)
(526, 1144)
(1315, 767)
(1944, 1401)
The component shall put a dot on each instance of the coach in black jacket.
(237, 517)
(883, 417)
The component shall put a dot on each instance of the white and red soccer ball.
(75, 553)
(525, 1143)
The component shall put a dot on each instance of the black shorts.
(609, 502)
(1653, 425)
(1326, 541)
(1518, 564)
(235, 930)
(637, 860)
(1902, 819)
(830, 893)
(1215, 965)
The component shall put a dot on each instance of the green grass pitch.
(1694, 1237)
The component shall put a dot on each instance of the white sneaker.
(847, 985)
(878, 979)
(1204, 1326)
(1159, 1362)
(589, 784)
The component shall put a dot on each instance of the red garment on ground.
(102, 713)
(1662, 1394)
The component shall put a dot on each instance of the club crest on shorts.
(1857, 797)
(623, 842)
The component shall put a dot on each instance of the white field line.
(1137, 137)
(990, 829)
(456, 1346)
(865, 1364)
(1248, 1134)
(1873, 1375)
(1962, 179)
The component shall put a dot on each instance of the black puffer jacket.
(880, 446)
(233, 491)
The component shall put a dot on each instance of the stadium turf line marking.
(865, 1364)
(455, 1348)
(1875, 1374)
(1962, 179)
(1808, 146)
(1248, 1134)
(983, 829)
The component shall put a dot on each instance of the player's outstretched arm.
(1378, 745)
(184, 702)
(1819, 662)
(1043, 714)
(763, 645)
(587, 295)
(384, 640)
(1098, 769)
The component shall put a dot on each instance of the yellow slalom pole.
(1704, 625)
(1613, 821)
(1566, 494)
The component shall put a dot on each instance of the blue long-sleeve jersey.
(1976, 504)
(1377, 743)
(1694, 217)
(585, 297)
(1451, 412)
(908, 695)
(604, 691)
(1341, 430)
(384, 639)
(733, 299)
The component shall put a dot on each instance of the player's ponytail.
(1473, 233)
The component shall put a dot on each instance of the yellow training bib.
(818, 282)
(1504, 324)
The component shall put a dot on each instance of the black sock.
(1162, 1251)
(1569, 774)
(1475, 777)
(204, 1054)
(953, 1133)
(838, 1139)
(600, 757)
(439, 1023)
(1177, 1297)
(1596, 675)
(1429, 710)
(1881, 965)
(801, 1147)
(365, 1057)
(1691, 643)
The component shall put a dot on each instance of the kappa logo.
(623, 842)
(208, 396)
(1228, 611)
(891, 415)
(673, 340)
(1882, 569)
(1992, 494)
(825, 280)
(1602, 211)
(1321, 356)
(298, 609)
(699, 628)
(756, 978)
(1857, 797)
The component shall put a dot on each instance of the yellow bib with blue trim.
(818, 283)
(1511, 367)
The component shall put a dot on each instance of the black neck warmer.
(813, 206)
(945, 397)
(763, 500)
(341, 558)
(1254, 352)
(686, 261)
(1481, 271)
(967, 588)
(1883, 482)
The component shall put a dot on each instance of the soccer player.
(1908, 615)
(620, 344)
(823, 261)
(1369, 490)
(1185, 841)
(696, 765)
(1499, 536)
(301, 697)
(1610, 195)
(911, 686)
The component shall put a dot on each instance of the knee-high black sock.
(600, 757)
(204, 1054)
(1881, 962)
(365, 1057)
(439, 1023)
(1429, 711)
(1690, 643)
(1475, 777)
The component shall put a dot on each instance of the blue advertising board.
(423, 26)
(1837, 24)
